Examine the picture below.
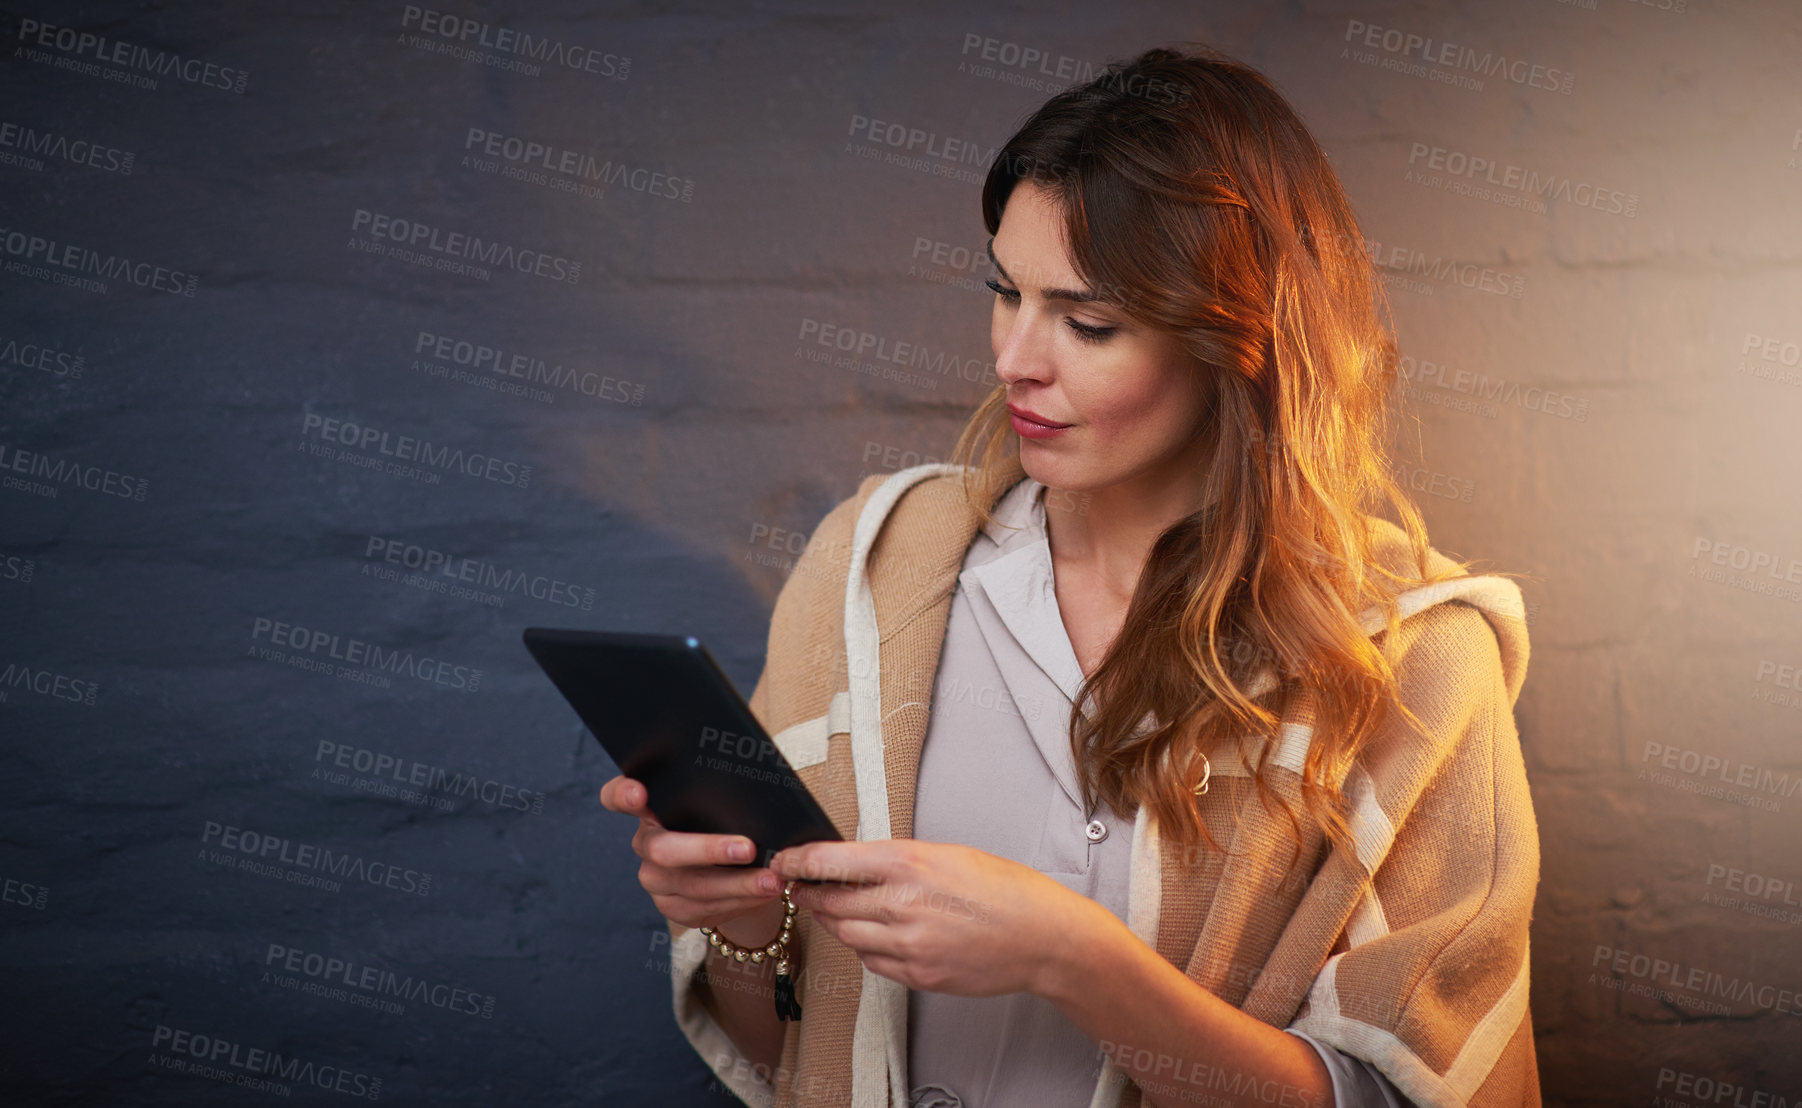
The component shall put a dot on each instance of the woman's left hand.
(940, 917)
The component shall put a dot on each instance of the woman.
(1285, 853)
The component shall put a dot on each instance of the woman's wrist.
(1076, 951)
(755, 929)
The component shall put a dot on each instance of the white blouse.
(996, 773)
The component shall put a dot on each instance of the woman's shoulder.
(929, 490)
(1461, 631)
(919, 508)
(920, 513)
(1392, 549)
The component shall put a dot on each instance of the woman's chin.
(1054, 472)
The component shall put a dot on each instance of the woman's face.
(1129, 396)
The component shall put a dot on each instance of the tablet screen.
(670, 718)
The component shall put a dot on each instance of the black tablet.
(669, 717)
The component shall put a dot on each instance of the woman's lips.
(1032, 427)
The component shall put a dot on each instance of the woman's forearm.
(1175, 1039)
(742, 998)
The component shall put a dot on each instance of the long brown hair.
(1197, 202)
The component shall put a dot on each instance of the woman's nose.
(1022, 353)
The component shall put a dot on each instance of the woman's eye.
(1084, 331)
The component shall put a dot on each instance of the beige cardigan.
(1426, 976)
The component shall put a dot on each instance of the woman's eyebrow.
(1074, 296)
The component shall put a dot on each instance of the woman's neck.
(1104, 536)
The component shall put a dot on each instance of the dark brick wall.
(616, 410)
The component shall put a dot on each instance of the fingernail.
(740, 851)
(767, 882)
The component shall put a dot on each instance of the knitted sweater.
(1424, 973)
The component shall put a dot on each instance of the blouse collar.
(1016, 576)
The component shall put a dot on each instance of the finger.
(625, 795)
(826, 923)
(895, 969)
(845, 863)
(871, 903)
(709, 913)
(868, 941)
(711, 883)
(868, 938)
(676, 849)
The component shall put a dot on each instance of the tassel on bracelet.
(776, 950)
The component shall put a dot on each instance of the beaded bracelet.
(777, 950)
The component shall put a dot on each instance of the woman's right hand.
(691, 876)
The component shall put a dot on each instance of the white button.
(1096, 830)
